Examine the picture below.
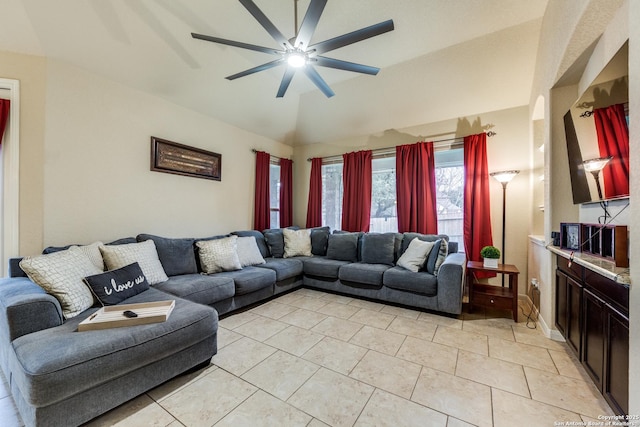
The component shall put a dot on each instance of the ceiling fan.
(296, 52)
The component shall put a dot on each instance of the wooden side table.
(504, 298)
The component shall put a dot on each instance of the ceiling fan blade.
(236, 44)
(345, 65)
(353, 37)
(309, 23)
(268, 25)
(318, 81)
(286, 80)
(256, 69)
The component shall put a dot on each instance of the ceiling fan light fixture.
(296, 58)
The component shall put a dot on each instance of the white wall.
(98, 185)
(507, 150)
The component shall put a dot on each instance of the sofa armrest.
(451, 283)
(25, 308)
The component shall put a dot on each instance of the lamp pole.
(504, 178)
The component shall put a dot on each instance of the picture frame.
(179, 159)
(570, 236)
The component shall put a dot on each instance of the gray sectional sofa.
(59, 376)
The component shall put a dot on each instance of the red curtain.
(477, 212)
(356, 201)
(262, 208)
(613, 140)
(314, 206)
(4, 115)
(286, 193)
(416, 188)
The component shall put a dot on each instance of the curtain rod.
(388, 151)
(253, 150)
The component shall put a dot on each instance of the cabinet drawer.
(492, 296)
(575, 270)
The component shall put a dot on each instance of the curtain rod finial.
(491, 133)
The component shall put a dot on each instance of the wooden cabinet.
(592, 313)
(498, 297)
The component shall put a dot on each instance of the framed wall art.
(171, 157)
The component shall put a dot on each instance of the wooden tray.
(112, 316)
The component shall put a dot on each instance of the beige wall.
(85, 174)
(507, 150)
(31, 72)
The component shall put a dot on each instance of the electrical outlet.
(534, 283)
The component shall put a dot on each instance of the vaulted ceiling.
(444, 59)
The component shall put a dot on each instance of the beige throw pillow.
(219, 255)
(61, 274)
(144, 253)
(297, 242)
(93, 252)
(416, 255)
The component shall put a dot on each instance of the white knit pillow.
(93, 252)
(219, 255)
(297, 242)
(416, 255)
(61, 274)
(248, 251)
(144, 253)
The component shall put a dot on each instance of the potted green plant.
(490, 255)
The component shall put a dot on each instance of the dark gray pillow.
(123, 241)
(319, 240)
(378, 248)
(115, 286)
(177, 256)
(343, 247)
(260, 240)
(430, 265)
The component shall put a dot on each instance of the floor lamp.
(504, 178)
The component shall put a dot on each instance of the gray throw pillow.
(319, 240)
(430, 265)
(343, 247)
(177, 256)
(260, 241)
(378, 248)
(275, 240)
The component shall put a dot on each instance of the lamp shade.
(596, 165)
(504, 176)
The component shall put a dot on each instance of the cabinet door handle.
(492, 301)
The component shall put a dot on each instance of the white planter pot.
(490, 262)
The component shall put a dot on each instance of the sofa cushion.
(261, 242)
(248, 251)
(297, 243)
(285, 268)
(114, 286)
(199, 288)
(359, 272)
(177, 256)
(320, 240)
(60, 274)
(343, 247)
(378, 248)
(414, 258)
(403, 279)
(323, 266)
(58, 363)
(219, 254)
(144, 253)
(250, 279)
(408, 237)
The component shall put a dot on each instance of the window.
(450, 194)
(384, 214)
(274, 195)
(332, 195)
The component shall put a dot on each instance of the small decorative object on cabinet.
(490, 256)
(570, 236)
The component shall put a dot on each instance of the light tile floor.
(314, 359)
